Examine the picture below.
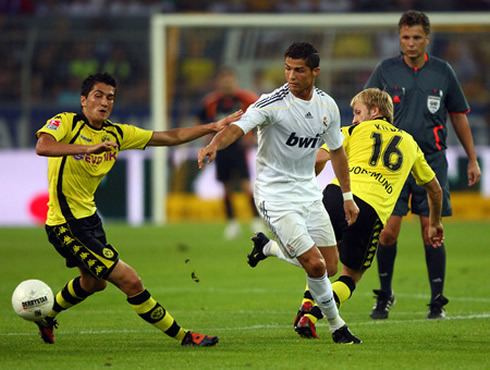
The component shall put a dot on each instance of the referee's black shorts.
(413, 197)
(82, 242)
(357, 243)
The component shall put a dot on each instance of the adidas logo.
(309, 115)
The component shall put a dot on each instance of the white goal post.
(161, 23)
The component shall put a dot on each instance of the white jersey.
(290, 131)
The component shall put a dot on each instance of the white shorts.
(298, 226)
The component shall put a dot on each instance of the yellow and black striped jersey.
(74, 179)
(381, 157)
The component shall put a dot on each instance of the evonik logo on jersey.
(96, 159)
(302, 142)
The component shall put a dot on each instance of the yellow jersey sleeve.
(133, 137)
(59, 126)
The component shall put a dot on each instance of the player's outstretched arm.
(183, 135)
(224, 138)
(47, 146)
(434, 197)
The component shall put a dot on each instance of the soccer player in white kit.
(293, 122)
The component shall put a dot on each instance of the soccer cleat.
(304, 309)
(305, 328)
(344, 336)
(260, 240)
(303, 324)
(46, 329)
(383, 305)
(192, 339)
(436, 310)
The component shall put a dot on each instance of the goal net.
(186, 50)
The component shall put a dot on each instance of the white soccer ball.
(32, 300)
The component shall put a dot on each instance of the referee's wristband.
(348, 195)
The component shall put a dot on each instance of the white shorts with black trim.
(298, 226)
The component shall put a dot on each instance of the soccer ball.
(32, 300)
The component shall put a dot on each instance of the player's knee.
(136, 288)
(317, 268)
(132, 286)
(388, 237)
(126, 279)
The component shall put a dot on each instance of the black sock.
(386, 263)
(436, 267)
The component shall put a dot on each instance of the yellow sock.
(342, 291)
(152, 312)
(312, 318)
(71, 294)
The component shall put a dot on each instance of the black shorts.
(357, 243)
(231, 163)
(82, 242)
(414, 197)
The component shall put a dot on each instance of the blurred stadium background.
(48, 46)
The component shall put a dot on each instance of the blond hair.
(374, 97)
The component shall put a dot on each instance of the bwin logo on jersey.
(302, 142)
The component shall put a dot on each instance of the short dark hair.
(90, 81)
(303, 50)
(414, 17)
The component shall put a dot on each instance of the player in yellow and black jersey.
(73, 179)
(82, 148)
(381, 157)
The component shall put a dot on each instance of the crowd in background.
(49, 46)
(146, 7)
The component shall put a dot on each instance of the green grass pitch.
(251, 310)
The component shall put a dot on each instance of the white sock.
(335, 324)
(321, 290)
(272, 249)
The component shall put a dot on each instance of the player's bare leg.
(140, 299)
(321, 291)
